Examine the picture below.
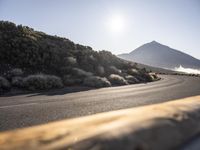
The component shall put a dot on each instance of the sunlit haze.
(116, 23)
(187, 70)
(119, 26)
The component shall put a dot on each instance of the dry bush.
(71, 61)
(133, 72)
(131, 79)
(95, 81)
(114, 70)
(117, 80)
(42, 82)
(154, 76)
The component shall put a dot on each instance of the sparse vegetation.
(28, 55)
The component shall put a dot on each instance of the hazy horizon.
(117, 26)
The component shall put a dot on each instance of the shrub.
(131, 79)
(133, 72)
(150, 78)
(91, 58)
(42, 82)
(154, 76)
(96, 81)
(146, 77)
(16, 72)
(4, 84)
(141, 79)
(70, 61)
(100, 70)
(17, 82)
(117, 80)
(54, 81)
(81, 73)
(65, 70)
(68, 80)
(114, 70)
(9, 74)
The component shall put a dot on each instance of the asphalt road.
(38, 108)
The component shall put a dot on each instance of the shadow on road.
(52, 92)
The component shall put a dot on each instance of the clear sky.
(119, 26)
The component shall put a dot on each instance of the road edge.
(155, 127)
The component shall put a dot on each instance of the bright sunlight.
(116, 23)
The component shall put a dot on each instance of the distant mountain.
(158, 55)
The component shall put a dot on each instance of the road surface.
(33, 109)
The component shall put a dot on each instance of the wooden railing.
(155, 127)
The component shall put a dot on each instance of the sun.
(116, 23)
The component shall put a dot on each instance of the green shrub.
(4, 85)
(42, 82)
(95, 81)
(117, 80)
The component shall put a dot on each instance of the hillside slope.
(33, 52)
(158, 55)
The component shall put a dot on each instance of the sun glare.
(116, 23)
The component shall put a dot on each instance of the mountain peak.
(162, 56)
(154, 42)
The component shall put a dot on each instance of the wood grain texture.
(155, 127)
